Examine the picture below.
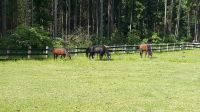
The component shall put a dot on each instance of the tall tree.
(101, 19)
(55, 18)
(4, 17)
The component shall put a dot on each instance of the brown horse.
(145, 48)
(60, 51)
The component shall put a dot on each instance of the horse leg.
(64, 55)
(100, 56)
(69, 56)
(54, 56)
(145, 54)
(141, 52)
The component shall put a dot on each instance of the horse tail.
(87, 52)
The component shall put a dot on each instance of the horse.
(60, 51)
(147, 49)
(99, 50)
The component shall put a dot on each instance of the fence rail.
(113, 49)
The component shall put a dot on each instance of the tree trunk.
(97, 19)
(69, 17)
(165, 19)
(88, 18)
(31, 12)
(66, 21)
(80, 16)
(178, 18)
(131, 19)
(171, 16)
(101, 19)
(188, 24)
(26, 13)
(55, 18)
(75, 15)
(109, 11)
(4, 17)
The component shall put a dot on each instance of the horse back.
(59, 51)
(143, 47)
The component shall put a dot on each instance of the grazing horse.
(98, 49)
(145, 48)
(60, 51)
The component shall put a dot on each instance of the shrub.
(79, 38)
(133, 37)
(22, 37)
(170, 39)
(155, 38)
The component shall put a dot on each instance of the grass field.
(169, 82)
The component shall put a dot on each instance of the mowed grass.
(169, 82)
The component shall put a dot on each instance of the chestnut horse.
(145, 48)
(60, 51)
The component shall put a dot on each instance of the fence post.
(8, 52)
(29, 52)
(174, 47)
(187, 45)
(113, 49)
(159, 47)
(134, 48)
(180, 47)
(193, 46)
(125, 48)
(76, 51)
(167, 47)
(47, 49)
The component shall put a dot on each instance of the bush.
(133, 37)
(155, 38)
(57, 43)
(117, 37)
(170, 39)
(22, 37)
(79, 38)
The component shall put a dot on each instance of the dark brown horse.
(99, 50)
(145, 48)
(60, 51)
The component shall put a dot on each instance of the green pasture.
(169, 82)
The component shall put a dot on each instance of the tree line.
(105, 21)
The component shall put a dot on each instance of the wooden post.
(125, 48)
(76, 51)
(113, 49)
(192, 46)
(8, 52)
(29, 52)
(122, 48)
(186, 46)
(159, 47)
(167, 47)
(174, 47)
(47, 49)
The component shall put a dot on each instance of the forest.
(85, 22)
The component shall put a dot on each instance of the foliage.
(170, 39)
(117, 37)
(133, 37)
(155, 38)
(79, 38)
(57, 43)
(23, 36)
